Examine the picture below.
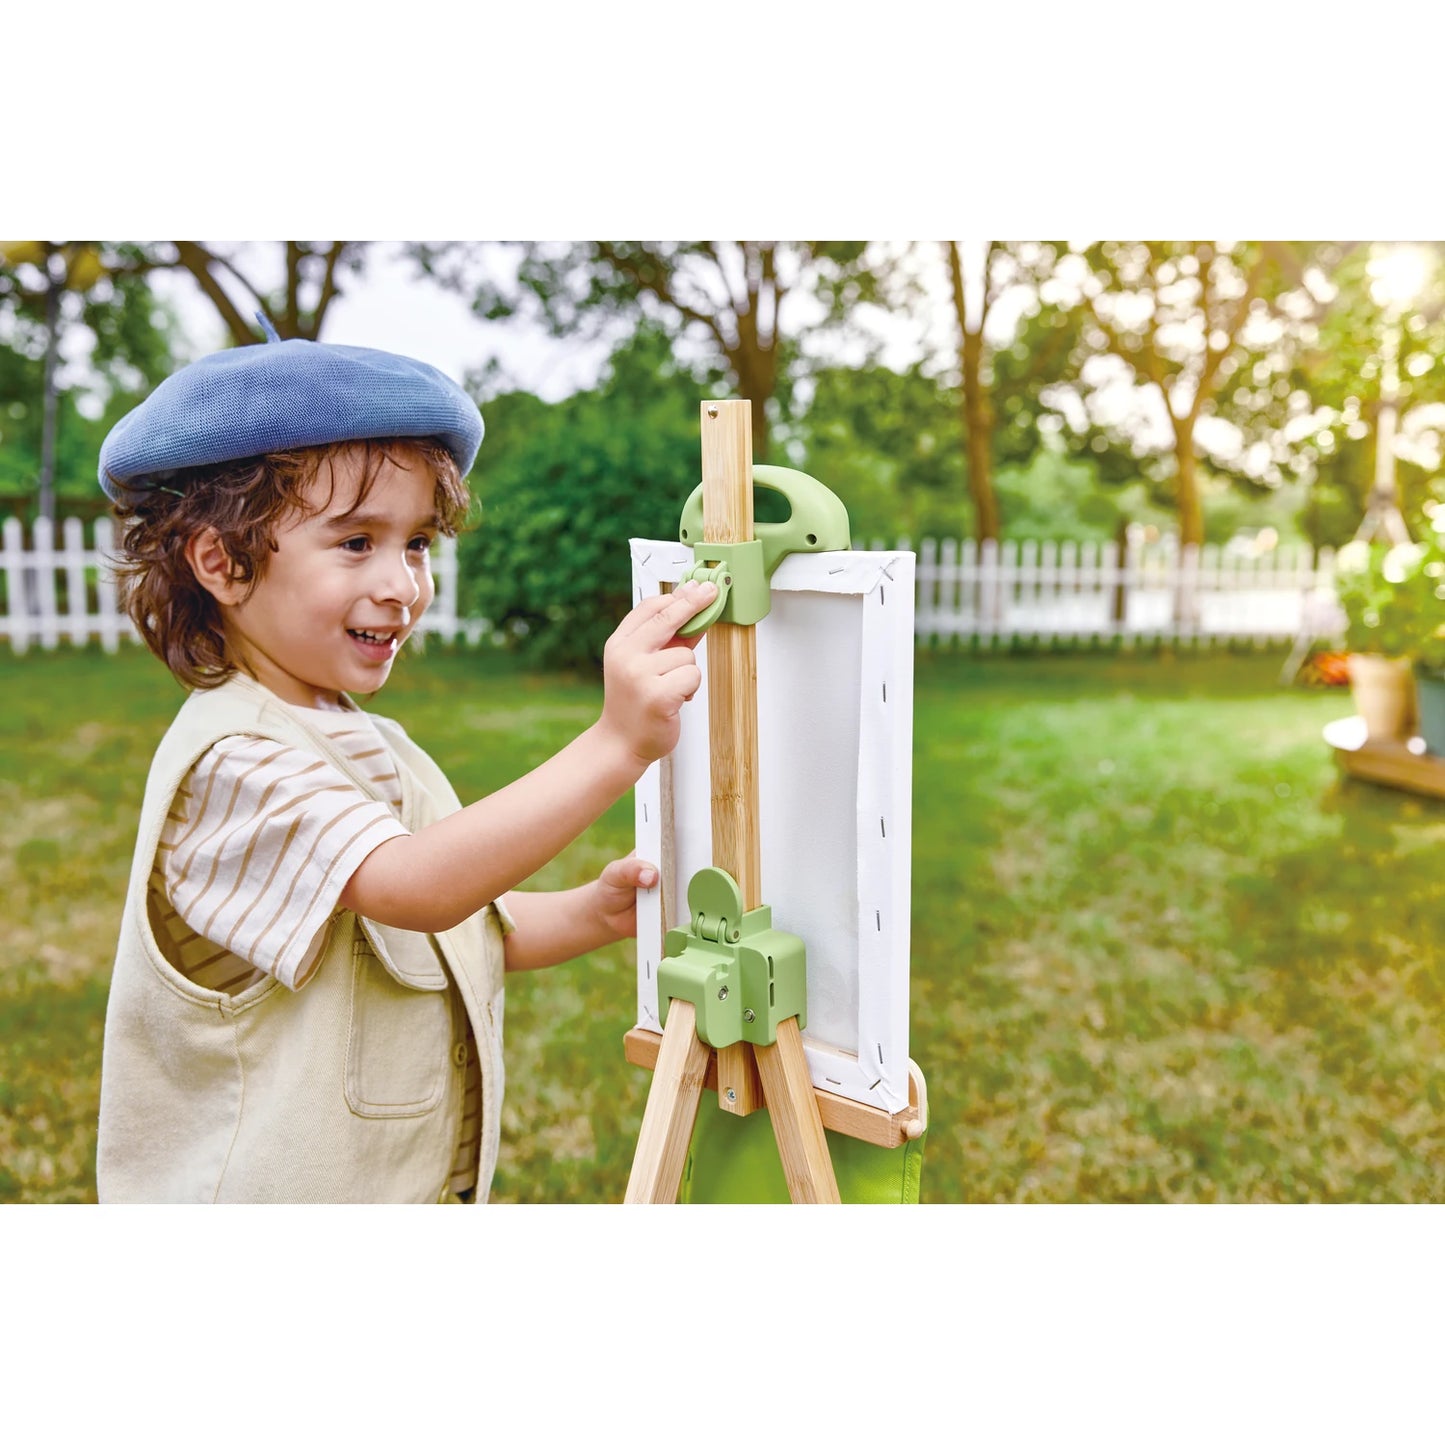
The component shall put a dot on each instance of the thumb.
(630, 872)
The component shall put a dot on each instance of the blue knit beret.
(271, 397)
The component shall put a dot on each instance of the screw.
(712, 411)
(748, 1015)
(732, 1096)
(722, 993)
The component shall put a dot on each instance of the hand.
(615, 894)
(649, 672)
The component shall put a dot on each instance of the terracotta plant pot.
(1383, 689)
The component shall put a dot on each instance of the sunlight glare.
(1397, 272)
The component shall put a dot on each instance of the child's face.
(344, 589)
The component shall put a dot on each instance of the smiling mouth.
(376, 639)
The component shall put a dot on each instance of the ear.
(213, 567)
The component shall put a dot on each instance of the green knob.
(701, 621)
(715, 900)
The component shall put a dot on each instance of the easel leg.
(671, 1110)
(739, 1089)
(802, 1145)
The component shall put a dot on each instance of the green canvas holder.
(742, 571)
(734, 1160)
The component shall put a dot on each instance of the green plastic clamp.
(741, 975)
(742, 586)
(742, 571)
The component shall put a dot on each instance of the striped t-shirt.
(260, 841)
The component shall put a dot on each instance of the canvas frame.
(835, 760)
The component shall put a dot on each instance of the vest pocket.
(398, 1045)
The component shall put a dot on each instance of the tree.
(990, 376)
(886, 443)
(976, 406)
(1178, 320)
(311, 274)
(292, 283)
(1341, 367)
(746, 303)
(49, 291)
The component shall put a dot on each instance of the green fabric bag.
(735, 1161)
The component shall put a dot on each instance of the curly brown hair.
(246, 502)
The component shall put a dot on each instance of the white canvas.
(835, 750)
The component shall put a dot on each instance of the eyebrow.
(360, 521)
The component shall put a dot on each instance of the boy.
(307, 997)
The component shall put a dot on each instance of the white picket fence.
(993, 594)
(1059, 592)
(50, 594)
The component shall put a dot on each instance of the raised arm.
(433, 879)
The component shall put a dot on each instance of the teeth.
(370, 636)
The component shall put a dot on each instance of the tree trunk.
(761, 437)
(1191, 514)
(975, 410)
(1119, 600)
(1191, 521)
(50, 397)
(757, 373)
(978, 439)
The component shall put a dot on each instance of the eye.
(421, 544)
(355, 544)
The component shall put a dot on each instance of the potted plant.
(1429, 651)
(1386, 597)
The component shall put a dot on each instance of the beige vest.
(347, 1090)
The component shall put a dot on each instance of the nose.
(396, 579)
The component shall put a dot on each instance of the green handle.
(817, 522)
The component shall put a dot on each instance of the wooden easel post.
(781, 1068)
(732, 682)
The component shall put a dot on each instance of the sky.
(390, 309)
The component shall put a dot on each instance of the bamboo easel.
(746, 1076)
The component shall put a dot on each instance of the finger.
(676, 656)
(645, 609)
(677, 686)
(678, 606)
(660, 627)
(630, 872)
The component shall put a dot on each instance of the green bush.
(562, 487)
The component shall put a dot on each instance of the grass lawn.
(1161, 951)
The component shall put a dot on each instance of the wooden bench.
(1400, 763)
